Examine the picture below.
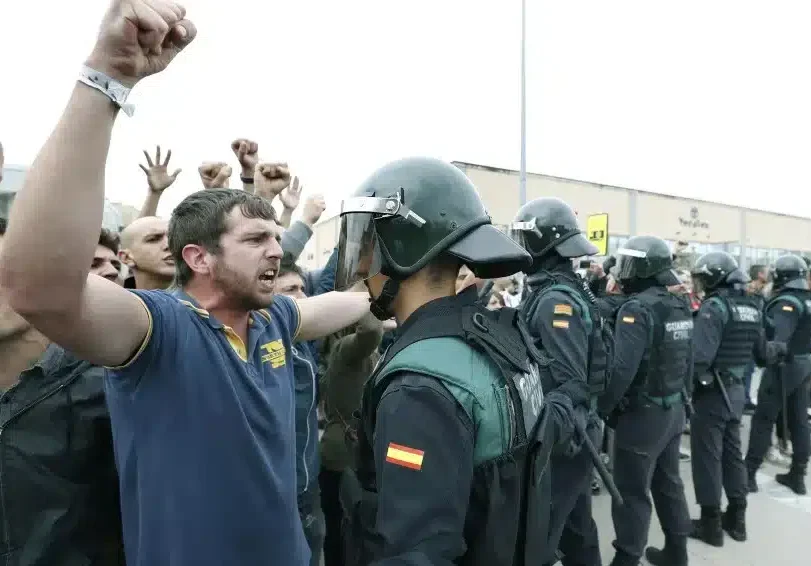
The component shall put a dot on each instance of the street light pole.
(522, 180)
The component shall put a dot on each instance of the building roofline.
(618, 188)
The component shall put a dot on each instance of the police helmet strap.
(381, 306)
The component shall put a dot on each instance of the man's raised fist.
(215, 175)
(270, 179)
(139, 38)
(247, 153)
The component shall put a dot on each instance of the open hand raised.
(157, 174)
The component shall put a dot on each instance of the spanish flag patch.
(788, 308)
(628, 319)
(563, 309)
(560, 323)
(404, 456)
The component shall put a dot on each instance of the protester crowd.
(187, 393)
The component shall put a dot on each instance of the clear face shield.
(628, 263)
(526, 233)
(359, 255)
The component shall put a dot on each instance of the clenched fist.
(270, 179)
(313, 209)
(139, 38)
(215, 175)
(247, 153)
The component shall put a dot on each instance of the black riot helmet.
(790, 272)
(646, 257)
(549, 224)
(716, 270)
(408, 213)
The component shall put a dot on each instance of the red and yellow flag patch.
(404, 456)
(565, 310)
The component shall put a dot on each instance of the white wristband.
(111, 88)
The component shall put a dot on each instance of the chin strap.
(381, 305)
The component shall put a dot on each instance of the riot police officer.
(728, 337)
(565, 322)
(653, 362)
(455, 430)
(784, 386)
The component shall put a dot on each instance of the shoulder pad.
(720, 304)
(577, 299)
(792, 304)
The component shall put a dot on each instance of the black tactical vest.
(665, 368)
(744, 323)
(508, 515)
(601, 336)
(800, 343)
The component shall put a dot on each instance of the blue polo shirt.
(204, 437)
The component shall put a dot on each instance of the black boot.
(708, 527)
(734, 519)
(751, 476)
(622, 558)
(794, 479)
(673, 554)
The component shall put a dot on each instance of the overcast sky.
(707, 98)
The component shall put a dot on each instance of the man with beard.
(200, 385)
(56, 441)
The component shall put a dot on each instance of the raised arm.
(45, 271)
(329, 313)
(158, 180)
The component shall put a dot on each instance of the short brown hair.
(201, 219)
(109, 240)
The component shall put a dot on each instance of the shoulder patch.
(560, 323)
(563, 309)
(405, 456)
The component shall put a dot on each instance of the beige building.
(752, 236)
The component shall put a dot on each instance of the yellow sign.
(597, 232)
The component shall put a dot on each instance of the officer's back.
(565, 322)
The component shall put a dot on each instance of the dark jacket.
(351, 362)
(58, 484)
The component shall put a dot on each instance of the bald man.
(145, 251)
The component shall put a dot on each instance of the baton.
(605, 475)
(722, 388)
(784, 423)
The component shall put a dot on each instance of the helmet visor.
(631, 264)
(358, 253)
(527, 235)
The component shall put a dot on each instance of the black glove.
(780, 351)
(576, 390)
(581, 416)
